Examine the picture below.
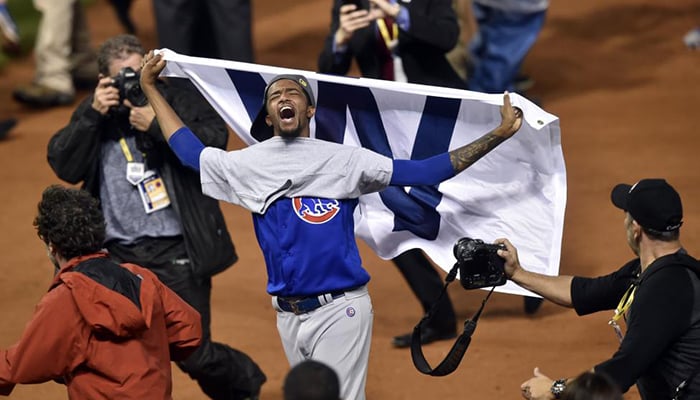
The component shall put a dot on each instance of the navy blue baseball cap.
(260, 130)
(653, 203)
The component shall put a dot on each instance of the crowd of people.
(143, 237)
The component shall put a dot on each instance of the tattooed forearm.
(467, 155)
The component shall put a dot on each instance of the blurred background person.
(407, 42)
(458, 56)
(506, 31)
(212, 28)
(63, 55)
(156, 213)
(122, 9)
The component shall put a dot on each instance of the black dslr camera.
(479, 264)
(127, 81)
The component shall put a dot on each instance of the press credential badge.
(153, 193)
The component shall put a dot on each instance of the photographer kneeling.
(656, 294)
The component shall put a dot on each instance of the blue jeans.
(499, 47)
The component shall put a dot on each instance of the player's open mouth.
(287, 113)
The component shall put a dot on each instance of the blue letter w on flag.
(414, 211)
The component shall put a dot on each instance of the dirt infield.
(616, 73)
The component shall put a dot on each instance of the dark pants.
(212, 28)
(221, 371)
(426, 284)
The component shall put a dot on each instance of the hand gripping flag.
(517, 191)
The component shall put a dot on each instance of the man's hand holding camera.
(140, 118)
(510, 256)
(106, 95)
(124, 92)
(479, 264)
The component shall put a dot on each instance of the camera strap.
(454, 357)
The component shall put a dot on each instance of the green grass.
(27, 19)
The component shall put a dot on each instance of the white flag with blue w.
(518, 191)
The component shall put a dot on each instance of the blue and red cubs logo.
(315, 210)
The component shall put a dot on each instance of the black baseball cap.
(260, 130)
(653, 203)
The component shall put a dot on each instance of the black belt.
(302, 305)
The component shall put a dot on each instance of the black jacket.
(661, 346)
(433, 32)
(74, 154)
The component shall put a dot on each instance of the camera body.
(127, 81)
(479, 264)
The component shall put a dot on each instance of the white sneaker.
(692, 39)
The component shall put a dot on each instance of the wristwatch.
(558, 388)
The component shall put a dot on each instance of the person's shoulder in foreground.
(119, 327)
(591, 386)
(311, 380)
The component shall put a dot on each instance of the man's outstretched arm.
(553, 288)
(436, 169)
(511, 121)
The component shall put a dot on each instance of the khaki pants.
(62, 46)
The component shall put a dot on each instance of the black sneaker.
(85, 82)
(532, 304)
(6, 126)
(692, 39)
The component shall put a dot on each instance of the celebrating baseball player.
(302, 193)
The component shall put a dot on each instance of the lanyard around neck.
(389, 40)
(621, 310)
(625, 302)
(125, 149)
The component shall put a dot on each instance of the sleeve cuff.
(403, 20)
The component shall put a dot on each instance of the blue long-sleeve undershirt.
(187, 147)
(429, 171)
